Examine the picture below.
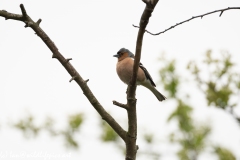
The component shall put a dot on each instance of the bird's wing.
(148, 76)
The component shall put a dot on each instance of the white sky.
(90, 32)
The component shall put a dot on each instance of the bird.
(124, 70)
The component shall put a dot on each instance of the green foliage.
(193, 142)
(29, 128)
(168, 76)
(223, 82)
(108, 134)
(69, 139)
(49, 126)
(75, 121)
(224, 154)
(192, 137)
(182, 114)
(148, 138)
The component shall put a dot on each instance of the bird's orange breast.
(125, 69)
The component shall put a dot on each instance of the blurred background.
(195, 65)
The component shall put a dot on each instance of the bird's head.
(123, 53)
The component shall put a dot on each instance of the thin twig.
(199, 16)
(24, 13)
(120, 105)
(73, 78)
(39, 21)
(68, 59)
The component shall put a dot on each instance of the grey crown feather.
(124, 50)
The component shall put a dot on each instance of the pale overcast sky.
(91, 32)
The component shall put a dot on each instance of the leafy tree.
(192, 136)
(222, 87)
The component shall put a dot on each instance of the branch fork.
(130, 136)
(125, 106)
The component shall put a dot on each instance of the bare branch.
(70, 69)
(120, 105)
(4, 13)
(131, 146)
(194, 17)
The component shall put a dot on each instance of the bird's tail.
(159, 96)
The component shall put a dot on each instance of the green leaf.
(224, 154)
(108, 134)
(75, 121)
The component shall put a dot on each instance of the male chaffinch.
(125, 69)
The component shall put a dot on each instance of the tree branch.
(131, 146)
(67, 65)
(120, 105)
(202, 15)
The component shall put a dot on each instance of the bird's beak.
(116, 55)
